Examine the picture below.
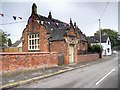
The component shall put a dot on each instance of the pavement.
(15, 79)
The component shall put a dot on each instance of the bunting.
(14, 17)
(20, 18)
(35, 20)
(53, 23)
(38, 21)
(42, 22)
(2, 14)
(57, 24)
(49, 23)
(45, 22)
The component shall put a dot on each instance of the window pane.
(35, 41)
(33, 36)
(38, 41)
(32, 47)
(35, 47)
(32, 42)
(29, 36)
(29, 42)
(38, 35)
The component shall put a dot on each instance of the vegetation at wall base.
(95, 49)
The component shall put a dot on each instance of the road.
(100, 75)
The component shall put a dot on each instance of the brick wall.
(87, 57)
(27, 60)
(61, 46)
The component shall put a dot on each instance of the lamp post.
(100, 54)
(100, 30)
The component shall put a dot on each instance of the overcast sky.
(85, 14)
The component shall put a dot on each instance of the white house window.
(108, 50)
(33, 42)
(108, 42)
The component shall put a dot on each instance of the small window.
(108, 50)
(108, 42)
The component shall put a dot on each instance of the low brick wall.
(27, 60)
(87, 58)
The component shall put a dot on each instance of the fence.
(13, 49)
(27, 60)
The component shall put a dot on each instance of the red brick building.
(46, 34)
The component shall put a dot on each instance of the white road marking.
(104, 77)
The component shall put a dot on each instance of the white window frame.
(33, 42)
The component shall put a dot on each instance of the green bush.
(95, 49)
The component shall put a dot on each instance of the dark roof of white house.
(96, 39)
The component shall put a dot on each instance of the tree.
(3, 38)
(95, 49)
(9, 42)
(114, 36)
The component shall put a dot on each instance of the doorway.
(71, 54)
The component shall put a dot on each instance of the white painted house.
(105, 42)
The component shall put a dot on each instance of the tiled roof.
(57, 31)
(83, 38)
(96, 39)
(58, 34)
(16, 43)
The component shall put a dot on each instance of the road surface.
(100, 75)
